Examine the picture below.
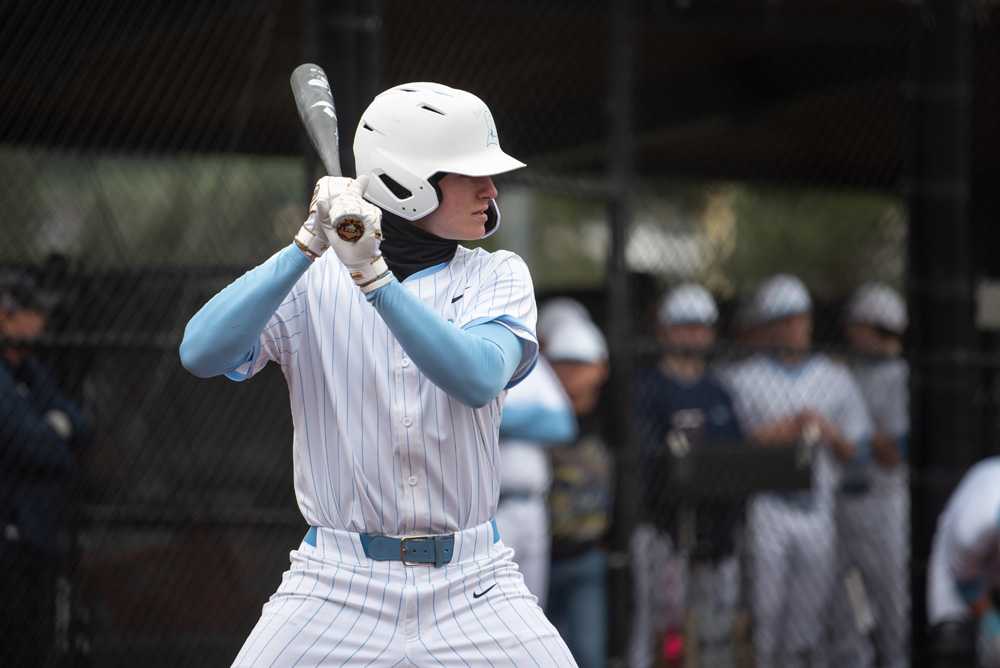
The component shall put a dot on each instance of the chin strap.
(492, 218)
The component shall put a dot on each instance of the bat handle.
(348, 229)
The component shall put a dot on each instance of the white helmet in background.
(414, 131)
(576, 340)
(879, 305)
(780, 296)
(554, 312)
(688, 304)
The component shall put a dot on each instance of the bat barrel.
(314, 101)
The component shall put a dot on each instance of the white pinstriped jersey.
(377, 447)
(765, 390)
(525, 464)
(885, 387)
(966, 542)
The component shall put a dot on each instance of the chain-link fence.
(739, 495)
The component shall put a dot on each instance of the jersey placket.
(408, 449)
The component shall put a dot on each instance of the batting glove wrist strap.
(372, 276)
(311, 239)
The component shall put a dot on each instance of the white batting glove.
(313, 237)
(355, 234)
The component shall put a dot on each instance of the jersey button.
(407, 422)
(412, 480)
(406, 362)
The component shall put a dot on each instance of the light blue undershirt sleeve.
(534, 422)
(472, 365)
(225, 332)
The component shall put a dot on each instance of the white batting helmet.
(412, 132)
(879, 305)
(780, 296)
(688, 304)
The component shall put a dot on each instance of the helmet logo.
(491, 129)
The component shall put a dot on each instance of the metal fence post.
(621, 175)
(944, 418)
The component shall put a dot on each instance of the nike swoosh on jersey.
(484, 592)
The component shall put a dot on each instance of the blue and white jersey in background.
(965, 556)
(766, 390)
(377, 447)
(885, 386)
(537, 407)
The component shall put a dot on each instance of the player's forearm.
(887, 451)
(781, 432)
(538, 423)
(846, 450)
(224, 331)
(472, 365)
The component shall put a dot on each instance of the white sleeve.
(943, 600)
(974, 532)
(895, 416)
(743, 383)
(502, 292)
(852, 416)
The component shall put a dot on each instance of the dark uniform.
(40, 431)
(667, 564)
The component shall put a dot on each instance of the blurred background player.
(782, 397)
(678, 396)
(963, 576)
(41, 434)
(580, 497)
(537, 415)
(873, 506)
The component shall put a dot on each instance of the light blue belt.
(437, 550)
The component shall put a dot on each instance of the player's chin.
(475, 229)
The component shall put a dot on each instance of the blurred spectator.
(963, 576)
(678, 398)
(536, 415)
(783, 397)
(40, 433)
(580, 496)
(873, 506)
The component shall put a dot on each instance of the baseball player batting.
(397, 347)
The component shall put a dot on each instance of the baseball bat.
(314, 102)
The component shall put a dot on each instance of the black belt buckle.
(439, 554)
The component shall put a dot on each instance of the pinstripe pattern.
(360, 612)
(792, 547)
(377, 447)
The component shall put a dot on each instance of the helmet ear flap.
(403, 193)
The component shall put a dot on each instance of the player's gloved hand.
(355, 234)
(312, 237)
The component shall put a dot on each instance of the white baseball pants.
(336, 607)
